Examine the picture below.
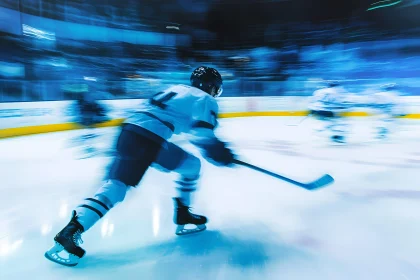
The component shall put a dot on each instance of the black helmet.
(207, 79)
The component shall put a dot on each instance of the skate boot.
(183, 217)
(382, 133)
(88, 152)
(338, 139)
(68, 239)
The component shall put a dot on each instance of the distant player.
(143, 141)
(386, 103)
(326, 105)
(88, 112)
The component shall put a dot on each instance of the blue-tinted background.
(135, 48)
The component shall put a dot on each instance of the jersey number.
(161, 98)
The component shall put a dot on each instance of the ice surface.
(365, 226)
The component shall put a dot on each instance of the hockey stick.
(300, 121)
(319, 183)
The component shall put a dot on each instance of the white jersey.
(387, 101)
(179, 109)
(329, 99)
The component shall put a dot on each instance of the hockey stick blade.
(319, 183)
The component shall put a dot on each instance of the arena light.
(92, 79)
(37, 33)
(383, 4)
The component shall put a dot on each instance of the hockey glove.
(218, 153)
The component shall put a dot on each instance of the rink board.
(27, 118)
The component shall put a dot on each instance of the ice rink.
(364, 226)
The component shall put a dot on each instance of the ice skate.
(88, 151)
(382, 133)
(338, 139)
(183, 217)
(87, 146)
(68, 240)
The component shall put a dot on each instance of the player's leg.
(85, 118)
(339, 128)
(173, 158)
(89, 114)
(319, 124)
(135, 153)
(332, 123)
(385, 123)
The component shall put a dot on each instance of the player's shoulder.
(327, 90)
(205, 101)
(196, 95)
(381, 94)
(186, 89)
(208, 99)
(320, 91)
(194, 92)
(386, 95)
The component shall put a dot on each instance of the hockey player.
(386, 104)
(143, 142)
(88, 113)
(326, 105)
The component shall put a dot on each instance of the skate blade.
(338, 142)
(52, 255)
(181, 230)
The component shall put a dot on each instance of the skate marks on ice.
(200, 256)
(372, 195)
(385, 155)
(279, 146)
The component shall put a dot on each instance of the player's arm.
(204, 122)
